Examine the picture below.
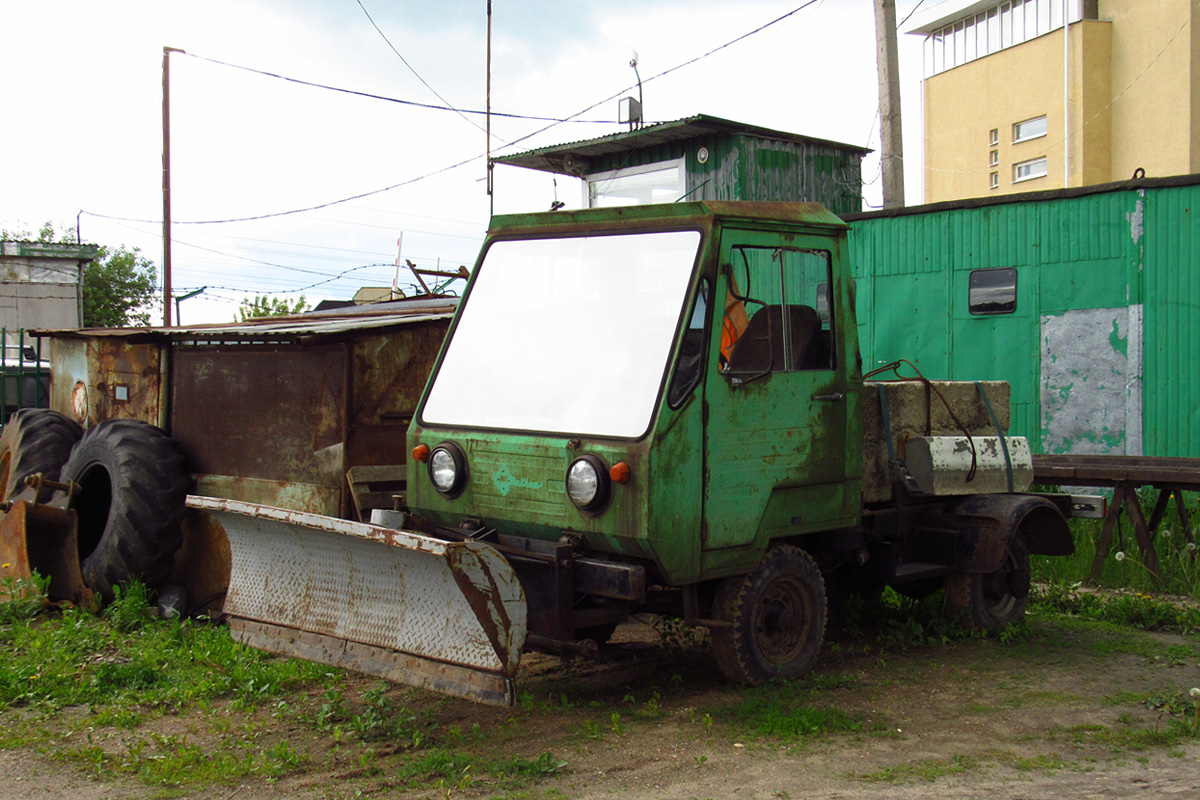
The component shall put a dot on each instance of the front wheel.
(994, 600)
(776, 617)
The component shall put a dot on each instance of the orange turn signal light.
(420, 452)
(620, 472)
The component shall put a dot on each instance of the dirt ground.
(1065, 711)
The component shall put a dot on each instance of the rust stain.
(203, 562)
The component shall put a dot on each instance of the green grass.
(927, 771)
(91, 691)
(795, 710)
(1179, 561)
(1137, 609)
(71, 658)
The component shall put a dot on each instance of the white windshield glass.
(566, 335)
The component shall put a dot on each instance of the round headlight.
(448, 469)
(588, 483)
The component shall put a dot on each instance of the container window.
(993, 291)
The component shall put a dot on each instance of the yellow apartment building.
(1016, 101)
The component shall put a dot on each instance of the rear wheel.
(34, 440)
(776, 617)
(992, 601)
(131, 503)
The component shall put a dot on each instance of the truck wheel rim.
(782, 621)
(997, 594)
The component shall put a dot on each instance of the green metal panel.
(1171, 377)
(747, 167)
(780, 171)
(1076, 351)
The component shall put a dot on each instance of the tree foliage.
(264, 306)
(119, 287)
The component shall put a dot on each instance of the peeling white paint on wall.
(1137, 218)
(1133, 383)
(1091, 381)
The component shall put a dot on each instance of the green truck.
(651, 409)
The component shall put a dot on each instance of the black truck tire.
(994, 600)
(35, 440)
(776, 615)
(133, 490)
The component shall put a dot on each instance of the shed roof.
(571, 158)
(324, 324)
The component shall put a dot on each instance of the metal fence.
(25, 376)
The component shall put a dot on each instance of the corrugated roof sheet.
(325, 323)
(556, 157)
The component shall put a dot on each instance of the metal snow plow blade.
(447, 616)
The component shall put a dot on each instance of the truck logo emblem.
(504, 481)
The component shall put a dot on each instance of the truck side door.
(775, 437)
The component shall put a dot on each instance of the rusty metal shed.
(716, 159)
(278, 410)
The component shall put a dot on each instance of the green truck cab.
(661, 407)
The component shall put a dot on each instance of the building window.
(1028, 170)
(992, 291)
(995, 181)
(643, 185)
(994, 137)
(994, 158)
(1029, 129)
(989, 28)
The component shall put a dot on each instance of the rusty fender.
(985, 524)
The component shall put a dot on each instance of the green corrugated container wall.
(1103, 348)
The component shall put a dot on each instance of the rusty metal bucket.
(447, 616)
(42, 538)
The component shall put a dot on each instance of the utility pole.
(891, 144)
(166, 181)
(488, 133)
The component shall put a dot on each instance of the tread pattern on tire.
(138, 536)
(734, 602)
(965, 600)
(35, 440)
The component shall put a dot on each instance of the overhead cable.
(404, 61)
(464, 162)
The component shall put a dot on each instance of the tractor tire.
(992, 601)
(34, 440)
(133, 490)
(776, 617)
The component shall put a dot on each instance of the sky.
(82, 131)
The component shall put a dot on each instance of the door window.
(775, 320)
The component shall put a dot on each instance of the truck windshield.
(568, 335)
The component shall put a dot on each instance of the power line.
(386, 99)
(672, 69)
(464, 162)
(418, 76)
(907, 18)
